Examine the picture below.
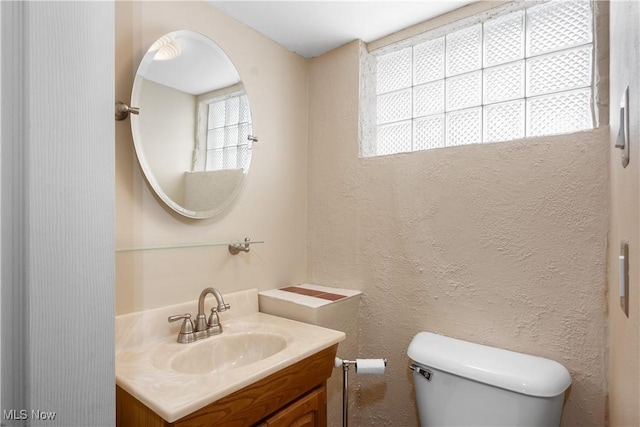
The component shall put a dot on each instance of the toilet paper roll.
(370, 366)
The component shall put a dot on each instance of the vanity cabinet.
(308, 411)
(293, 396)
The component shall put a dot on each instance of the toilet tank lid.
(522, 373)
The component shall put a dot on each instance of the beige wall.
(272, 205)
(624, 364)
(501, 244)
(169, 139)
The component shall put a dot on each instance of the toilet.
(459, 383)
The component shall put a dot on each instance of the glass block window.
(525, 73)
(227, 132)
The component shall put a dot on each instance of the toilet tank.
(459, 383)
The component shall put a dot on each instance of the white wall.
(57, 211)
(624, 333)
(1, 37)
(13, 239)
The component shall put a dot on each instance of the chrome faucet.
(203, 328)
(213, 323)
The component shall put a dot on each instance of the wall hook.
(123, 110)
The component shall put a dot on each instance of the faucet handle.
(179, 316)
(186, 330)
(214, 327)
(213, 318)
(187, 325)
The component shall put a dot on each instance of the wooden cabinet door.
(308, 411)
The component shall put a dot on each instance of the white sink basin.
(225, 352)
(174, 379)
(241, 345)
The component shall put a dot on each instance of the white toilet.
(458, 383)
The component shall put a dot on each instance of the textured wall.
(272, 205)
(624, 363)
(502, 244)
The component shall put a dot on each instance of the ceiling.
(311, 28)
(197, 65)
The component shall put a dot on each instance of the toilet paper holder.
(367, 366)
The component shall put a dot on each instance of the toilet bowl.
(459, 383)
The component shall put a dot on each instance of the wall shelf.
(187, 245)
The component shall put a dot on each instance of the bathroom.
(512, 244)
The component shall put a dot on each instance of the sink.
(174, 379)
(227, 352)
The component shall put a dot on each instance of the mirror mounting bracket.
(123, 110)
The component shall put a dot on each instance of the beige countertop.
(144, 362)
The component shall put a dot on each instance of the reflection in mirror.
(193, 134)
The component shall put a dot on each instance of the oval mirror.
(193, 133)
